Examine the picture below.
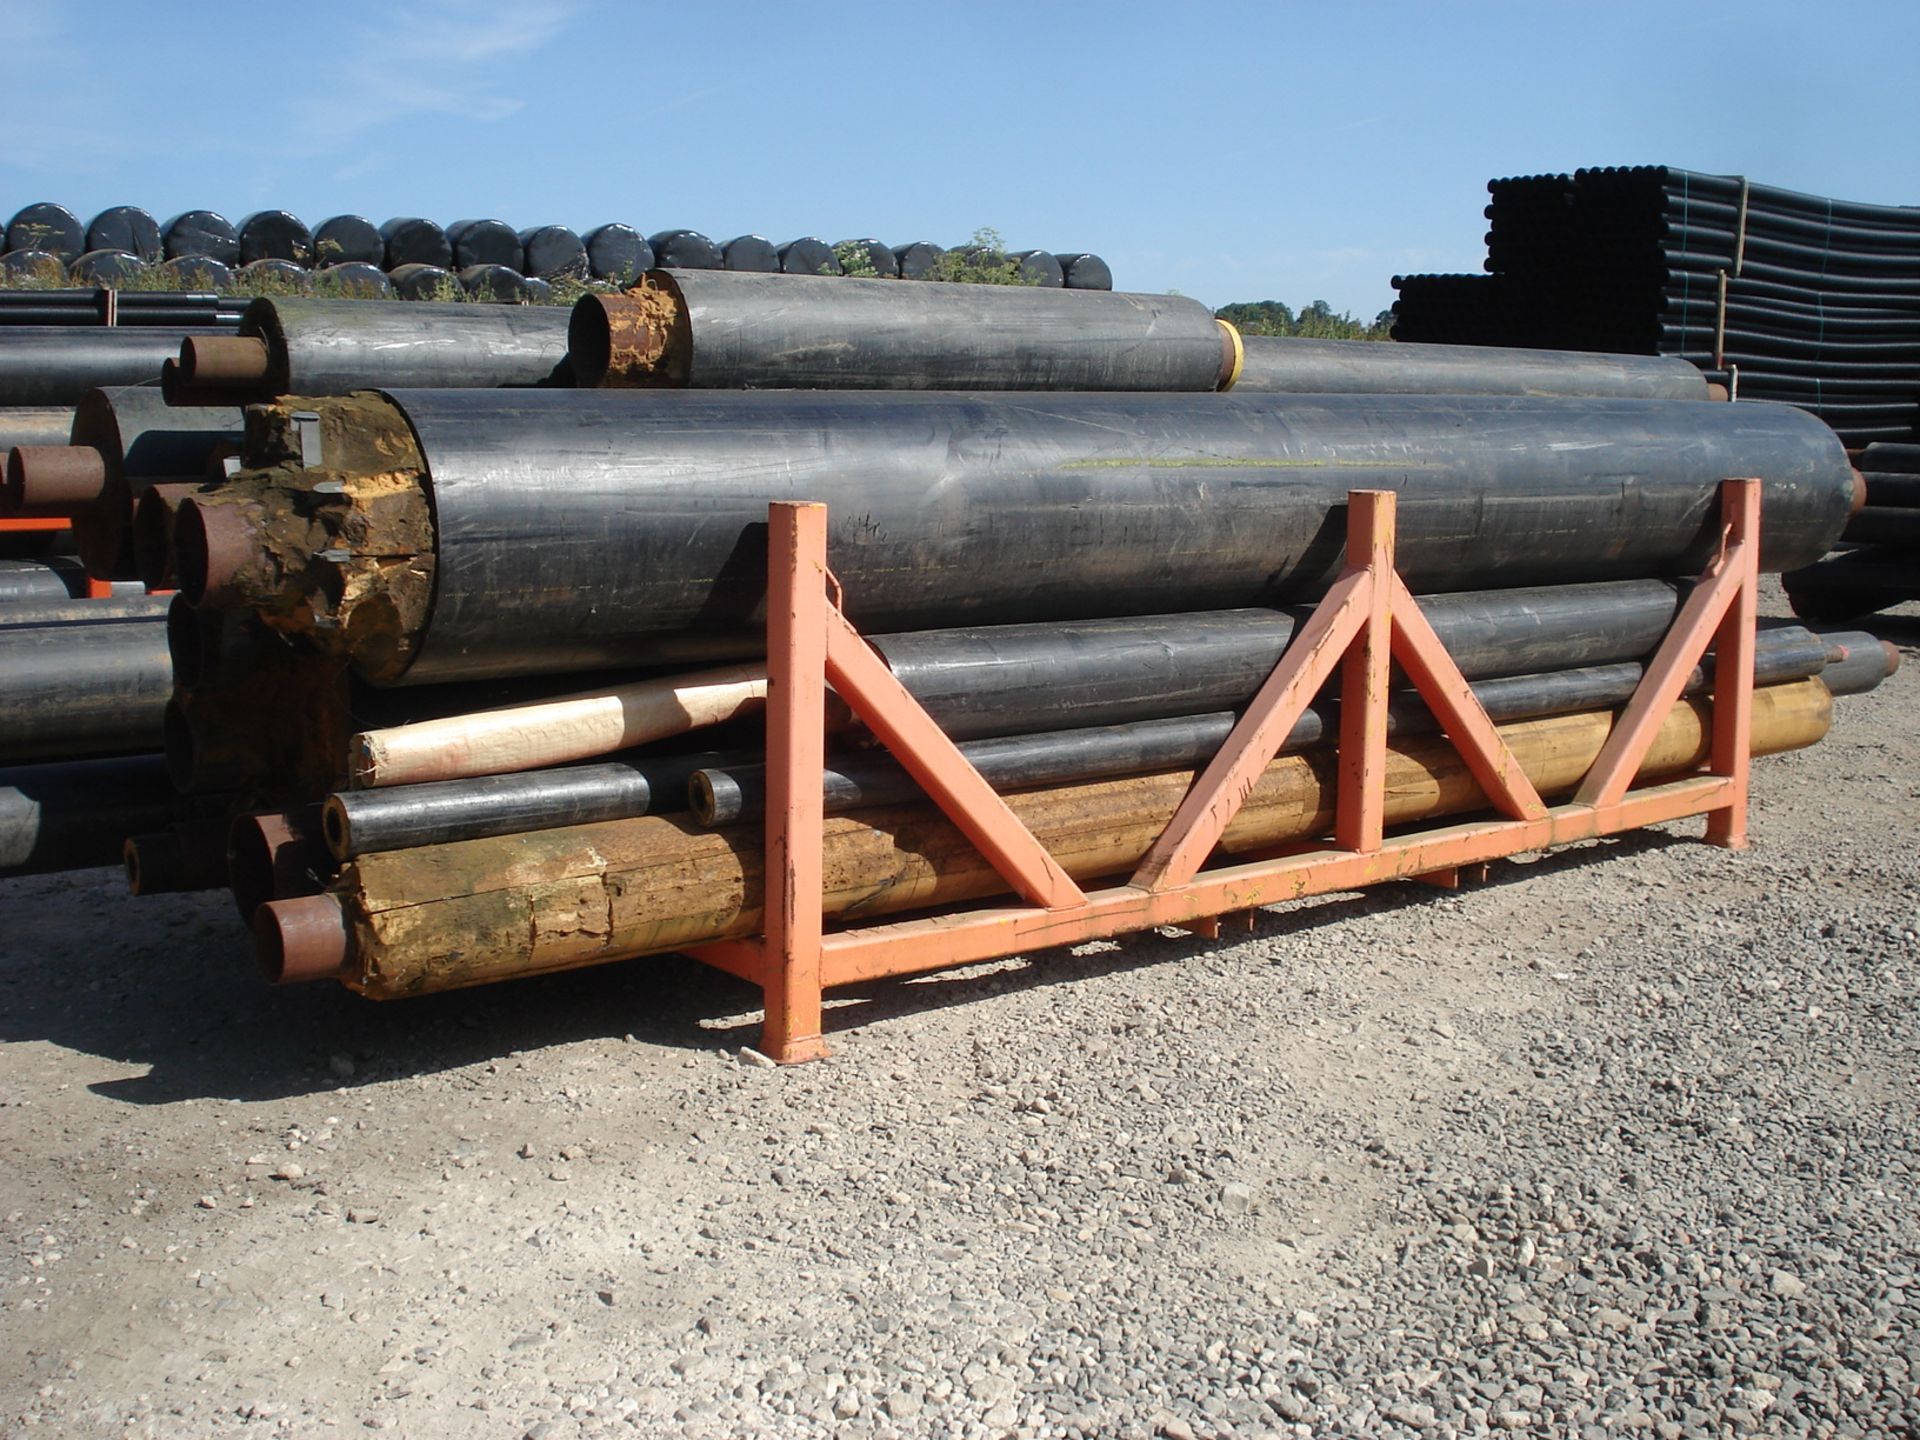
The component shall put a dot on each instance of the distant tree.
(1318, 321)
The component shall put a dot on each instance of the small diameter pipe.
(185, 857)
(415, 921)
(75, 814)
(725, 796)
(528, 737)
(276, 856)
(402, 817)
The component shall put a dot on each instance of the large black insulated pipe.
(57, 364)
(1857, 582)
(201, 234)
(413, 241)
(726, 330)
(51, 228)
(333, 347)
(618, 253)
(83, 689)
(1899, 491)
(403, 817)
(348, 240)
(275, 235)
(1351, 367)
(108, 609)
(129, 228)
(36, 581)
(950, 509)
(76, 814)
(140, 439)
(1013, 679)
(1885, 525)
(722, 796)
(34, 425)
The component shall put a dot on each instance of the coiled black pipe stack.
(1782, 296)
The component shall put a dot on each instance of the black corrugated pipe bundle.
(1793, 297)
(950, 509)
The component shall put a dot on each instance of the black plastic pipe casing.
(1368, 367)
(950, 509)
(722, 796)
(750, 331)
(58, 364)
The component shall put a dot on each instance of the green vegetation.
(856, 261)
(983, 260)
(1317, 322)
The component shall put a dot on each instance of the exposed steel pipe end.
(1859, 494)
(273, 856)
(1893, 657)
(153, 516)
(302, 939)
(216, 362)
(714, 798)
(52, 479)
(626, 340)
(212, 545)
(1717, 391)
(191, 857)
(336, 827)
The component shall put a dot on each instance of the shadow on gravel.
(164, 987)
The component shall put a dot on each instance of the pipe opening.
(211, 545)
(153, 520)
(272, 857)
(302, 939)
(337, 828)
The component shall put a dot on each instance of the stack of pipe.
(167, 308)
(1878, 564)
(405, 607)
(1781, 295)
(45, 244)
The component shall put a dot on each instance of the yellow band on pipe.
(1239, 354)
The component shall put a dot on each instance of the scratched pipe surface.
(951, 509)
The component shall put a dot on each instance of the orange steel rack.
(1367, 620)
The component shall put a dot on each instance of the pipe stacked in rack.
(1783, 296)
(1878, 563)
(394, 611)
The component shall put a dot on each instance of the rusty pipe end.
(212, 545)
(53, 479)
(1893, 657)
(273, 856)
(218, 362)
(153, 516)
(302, 939)
(630, 339)
(1859, 494)
(1717, 391)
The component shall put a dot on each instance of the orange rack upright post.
(1367, 619)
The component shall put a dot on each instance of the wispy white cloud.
(441, 57)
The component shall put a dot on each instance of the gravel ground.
(1622, 1141)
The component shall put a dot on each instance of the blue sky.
(1232, 152)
